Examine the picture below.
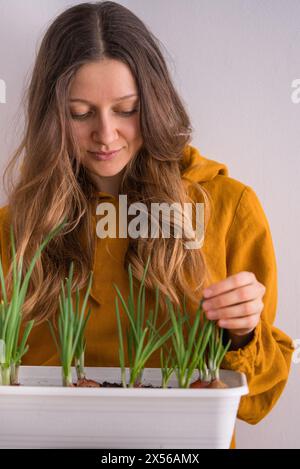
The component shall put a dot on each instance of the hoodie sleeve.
(266, 359)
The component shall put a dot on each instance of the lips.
(106, 153)
(99, 156)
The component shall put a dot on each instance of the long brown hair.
(53, 183)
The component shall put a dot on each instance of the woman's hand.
(236, 304)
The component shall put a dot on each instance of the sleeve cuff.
(245, 357)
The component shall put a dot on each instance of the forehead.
(103, 81)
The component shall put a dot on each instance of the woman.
(100, 84)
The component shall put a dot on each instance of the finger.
(236, 311)
(243, 294)
(230, 283)
(247, 323)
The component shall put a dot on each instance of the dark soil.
(106, 384)
(89, 383)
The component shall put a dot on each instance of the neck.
(109, 184)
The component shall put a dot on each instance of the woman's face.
(102, 121)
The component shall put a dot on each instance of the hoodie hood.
(197, 168)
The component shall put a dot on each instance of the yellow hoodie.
(238, 239)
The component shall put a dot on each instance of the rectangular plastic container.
(42, 414)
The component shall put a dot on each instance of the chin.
(106, 172)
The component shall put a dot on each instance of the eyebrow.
(122, 98)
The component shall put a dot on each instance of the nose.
(105, 130)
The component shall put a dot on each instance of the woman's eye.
(128, 113)
(80, 116)
(84, 116)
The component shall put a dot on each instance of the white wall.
(233, 62)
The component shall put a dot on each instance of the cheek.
(80, 132)
(132, 129)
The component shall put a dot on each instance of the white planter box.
(42, 414)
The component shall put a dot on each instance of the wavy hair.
(53, 183)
